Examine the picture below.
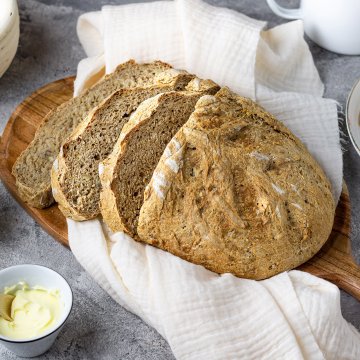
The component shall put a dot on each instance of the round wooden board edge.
(5, 173)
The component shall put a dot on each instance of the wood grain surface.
(334, 261)
(18, 133)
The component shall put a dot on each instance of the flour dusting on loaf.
(278, 189)
(259, 156)
(159, 184)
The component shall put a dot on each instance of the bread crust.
(60, 169)
(58, 194)
(108, 206)
(247, 199)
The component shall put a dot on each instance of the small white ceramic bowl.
(36, 275)
(353, 116)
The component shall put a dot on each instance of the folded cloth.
(201, 314)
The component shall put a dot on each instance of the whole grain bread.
(32, 168)
(125, 173)
(245, 196)
(74, 176)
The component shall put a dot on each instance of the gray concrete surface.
(98, 328)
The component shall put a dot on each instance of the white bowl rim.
(6, 339)
(349, 99)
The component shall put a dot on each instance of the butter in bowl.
(39, 301)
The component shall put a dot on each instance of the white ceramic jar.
(9, 33)
(332, 24)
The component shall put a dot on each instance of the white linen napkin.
(201, 314)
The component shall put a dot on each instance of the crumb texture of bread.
(128, 169)
(32, 168)
(245, 196)
(75, 176)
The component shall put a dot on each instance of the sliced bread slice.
(75, 177)
(126, 172)
(32, 168)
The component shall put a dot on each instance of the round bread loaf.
(246, 197)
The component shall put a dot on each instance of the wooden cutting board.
(334, 261)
